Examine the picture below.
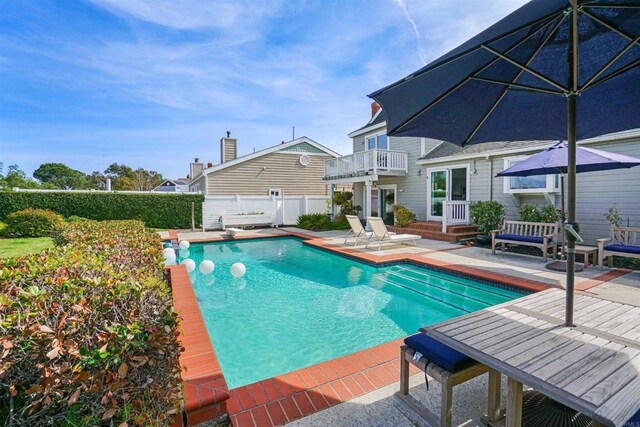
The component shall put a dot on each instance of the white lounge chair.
(380, 234)
(357, 230)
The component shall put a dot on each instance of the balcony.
(366, 163)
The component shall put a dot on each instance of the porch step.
(433, 230)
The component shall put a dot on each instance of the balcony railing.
(366, 163)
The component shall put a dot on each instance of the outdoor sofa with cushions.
(447, 366)
(624, 243)
(538, 234)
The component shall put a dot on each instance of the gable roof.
(297, 145)
(377, 121)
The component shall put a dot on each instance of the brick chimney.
(195, 168)
(228, 148)
(374, 108)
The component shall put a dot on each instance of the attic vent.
(304, 160)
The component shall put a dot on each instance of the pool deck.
(358, 389)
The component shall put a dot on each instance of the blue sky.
(154, 83)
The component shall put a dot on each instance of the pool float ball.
(185, 253)
(184, 245)
(238, 269)
(170, 259)
(167, 251)
(207, 267)
(190, 264)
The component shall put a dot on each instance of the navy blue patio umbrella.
(555, 160)
(553, 69)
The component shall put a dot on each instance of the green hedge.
(88, 335)
(156, 210)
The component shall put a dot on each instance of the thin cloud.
(402, 5)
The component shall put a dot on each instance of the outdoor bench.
(235, 220)
(624, 243)
(538, 234)
(450, 368)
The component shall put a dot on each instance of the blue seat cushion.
(438, 353)
(627, 249)
(634, 420)
(517, 238)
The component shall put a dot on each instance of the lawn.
(23, 246)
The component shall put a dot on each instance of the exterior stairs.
(433, 230)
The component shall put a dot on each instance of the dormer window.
(378, 141)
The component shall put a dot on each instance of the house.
(180, 185)
(279, 183)
(290, 168)
(435, 178)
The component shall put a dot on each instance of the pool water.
(298, 305)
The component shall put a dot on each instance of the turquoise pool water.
(298, 306)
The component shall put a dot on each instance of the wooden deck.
(593, 367)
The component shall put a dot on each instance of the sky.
(156, 83)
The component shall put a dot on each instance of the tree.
(16, 178)
(124, 177)
(61, 176)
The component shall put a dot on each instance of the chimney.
(228, 148)
(374, 108)
(195, 168)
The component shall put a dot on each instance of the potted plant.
(487, 216)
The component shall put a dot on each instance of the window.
(377, 141)
(275, 192)
(529, 184)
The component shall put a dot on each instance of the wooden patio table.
(593, 367)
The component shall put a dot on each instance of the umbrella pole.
(571, 170)
(563, 219)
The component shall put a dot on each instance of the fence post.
(203, 216)
(305, 205)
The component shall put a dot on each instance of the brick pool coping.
(285, 398)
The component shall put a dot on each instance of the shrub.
(487, 215)
(321, 222)
(88, 331)
(529, 213)
(344, 200)
(32, 223)
(532, 213)
(613, 216)
(156, 210)
(75, 218)
(403, 215)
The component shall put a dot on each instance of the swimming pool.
(298, 305)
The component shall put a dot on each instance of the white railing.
(454, 212)
(366, 161)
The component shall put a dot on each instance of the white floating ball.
(170, 259)
(207, 267)
(184, 253)
(190, 264)
(168, 251)
(238, 269)
(184, 245)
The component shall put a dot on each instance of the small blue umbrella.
(555, 160)
(553, 69)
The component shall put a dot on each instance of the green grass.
(22, 246)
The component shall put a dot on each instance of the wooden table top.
(593, 367)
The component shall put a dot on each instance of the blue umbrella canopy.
(553, 69)
(510, 82)
(554, 160)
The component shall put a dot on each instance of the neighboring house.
(180, 185)
(291, 168)
(431, 177)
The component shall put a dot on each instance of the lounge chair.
(357, 230)
(381, 235)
